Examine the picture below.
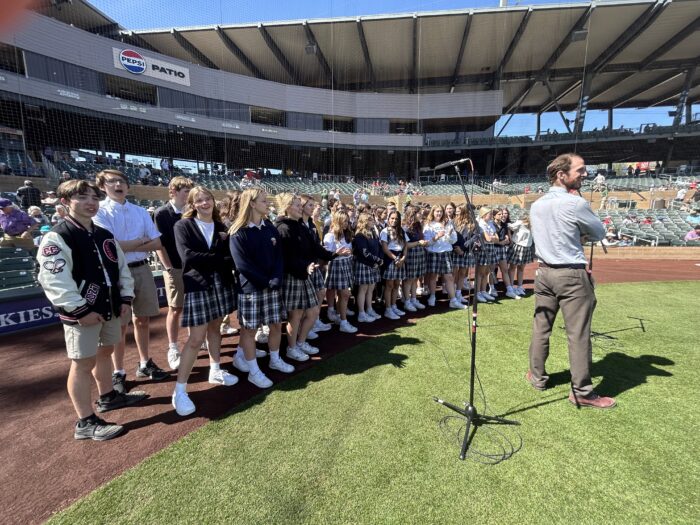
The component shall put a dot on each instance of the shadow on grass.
(219, 403)
(619, 372)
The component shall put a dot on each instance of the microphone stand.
(469, 412)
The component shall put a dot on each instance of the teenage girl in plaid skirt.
(366, 251)
(523, 251)
(487, 256)
(394, 245)
(339, 277)
(463, 254)
(202, 243)
(257, 255)
(416, 258)
(501, 219)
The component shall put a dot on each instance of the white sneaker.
(333, 317)
(420, 292)
(260, 353)
(259, 379)
(408, 307)
(320, 326)
(431, 300)
(222, 377)
(307, 348)
(347, 327)
(493, 292)
(389, 314)
(182, 404)
(228, 330)
(374, 314)
(260, 336)
(294, 352)
(520, 291)
(488, 296)
(398, 311)
(480, 298)
(240, 363)
(362, 317)
(349, 312)
(466, 284)
(465, 300)
(456, 304)
(311, 335)
(281, 366)
(511, 293)
(417, 304)
(173, 358)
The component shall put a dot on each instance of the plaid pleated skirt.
(298, 294)
(416, 262)
(364, 274)
(521, 254)
(317, 279)
(339, 274)
(207, 305)
(501, 252)
(260, 307)
(439, 263)
(466, 260)
(487, 255)
(393, 272)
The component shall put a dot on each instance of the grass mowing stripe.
(355, 439)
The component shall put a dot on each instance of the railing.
(652, 240)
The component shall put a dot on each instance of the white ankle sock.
(121, 372)
(274, 355)
(172, 346)
(180, 387)
(143, 363)
(214, 366)
(253, 365)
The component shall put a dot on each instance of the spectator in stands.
(17, 226)
(165, 165)
(165, 218)
(5, 169)
(28, 195)
(43, 230)
(65, 176)
(51, 199)
(92, 290)
(693, 217)
(136, 234)
(38, 216)
(610, 239)
(207, 268)
(680, 195)
(144, 174)
(647, 220)
(59, 215)
(693, 235)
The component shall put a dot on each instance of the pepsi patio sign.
(132, 61)
(138, 64)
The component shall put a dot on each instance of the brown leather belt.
(580, 266)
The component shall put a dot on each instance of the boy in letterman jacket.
(84, 275)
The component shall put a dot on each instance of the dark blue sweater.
(257, 254)
(367, 251)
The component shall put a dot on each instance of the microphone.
(452, 163)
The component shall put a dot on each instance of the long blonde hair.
(245, 210)
(337, 220)
(463, 222)
(285, 201)
(362, 226)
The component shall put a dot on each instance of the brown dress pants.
(572, 291)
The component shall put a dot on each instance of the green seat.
(16, 278)
(7, 251)
(16, 263)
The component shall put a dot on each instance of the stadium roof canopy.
(625, 53)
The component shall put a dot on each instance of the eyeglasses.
(112, 182)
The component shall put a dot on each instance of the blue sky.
(149, 14)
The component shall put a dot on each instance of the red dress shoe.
(592, 400)
(531, 380)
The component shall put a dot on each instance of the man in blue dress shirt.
(562, 221)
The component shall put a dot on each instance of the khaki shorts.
(145, 302)
(174, 288)
(82, 341)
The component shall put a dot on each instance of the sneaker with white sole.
(320, 326)
(260, 336)
(349, 312)
(456, 304)
(372, 313)
(431, 300)
(311, 335)
(511, 293)
(492, 291)
(307, 348)
(487, 296)
(520, 291)
(363, 317)
(465, 300)
(333, 316)
(346, 327)
(228, 330)
(173, 358)
(294, 352)
(417, 304)
(398, 311)
(97, 429)
(390, 314)
(259, 379)
(480, 298)
(240, 363)
(408, 307)
(182, 404)
(222, 377)
(281, 366)
(260, 353)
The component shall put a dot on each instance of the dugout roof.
(625, 53)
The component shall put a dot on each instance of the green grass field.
(357, 439)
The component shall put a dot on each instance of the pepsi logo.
(132, 61)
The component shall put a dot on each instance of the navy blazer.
(199, 262)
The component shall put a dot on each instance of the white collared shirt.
(127, 222)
